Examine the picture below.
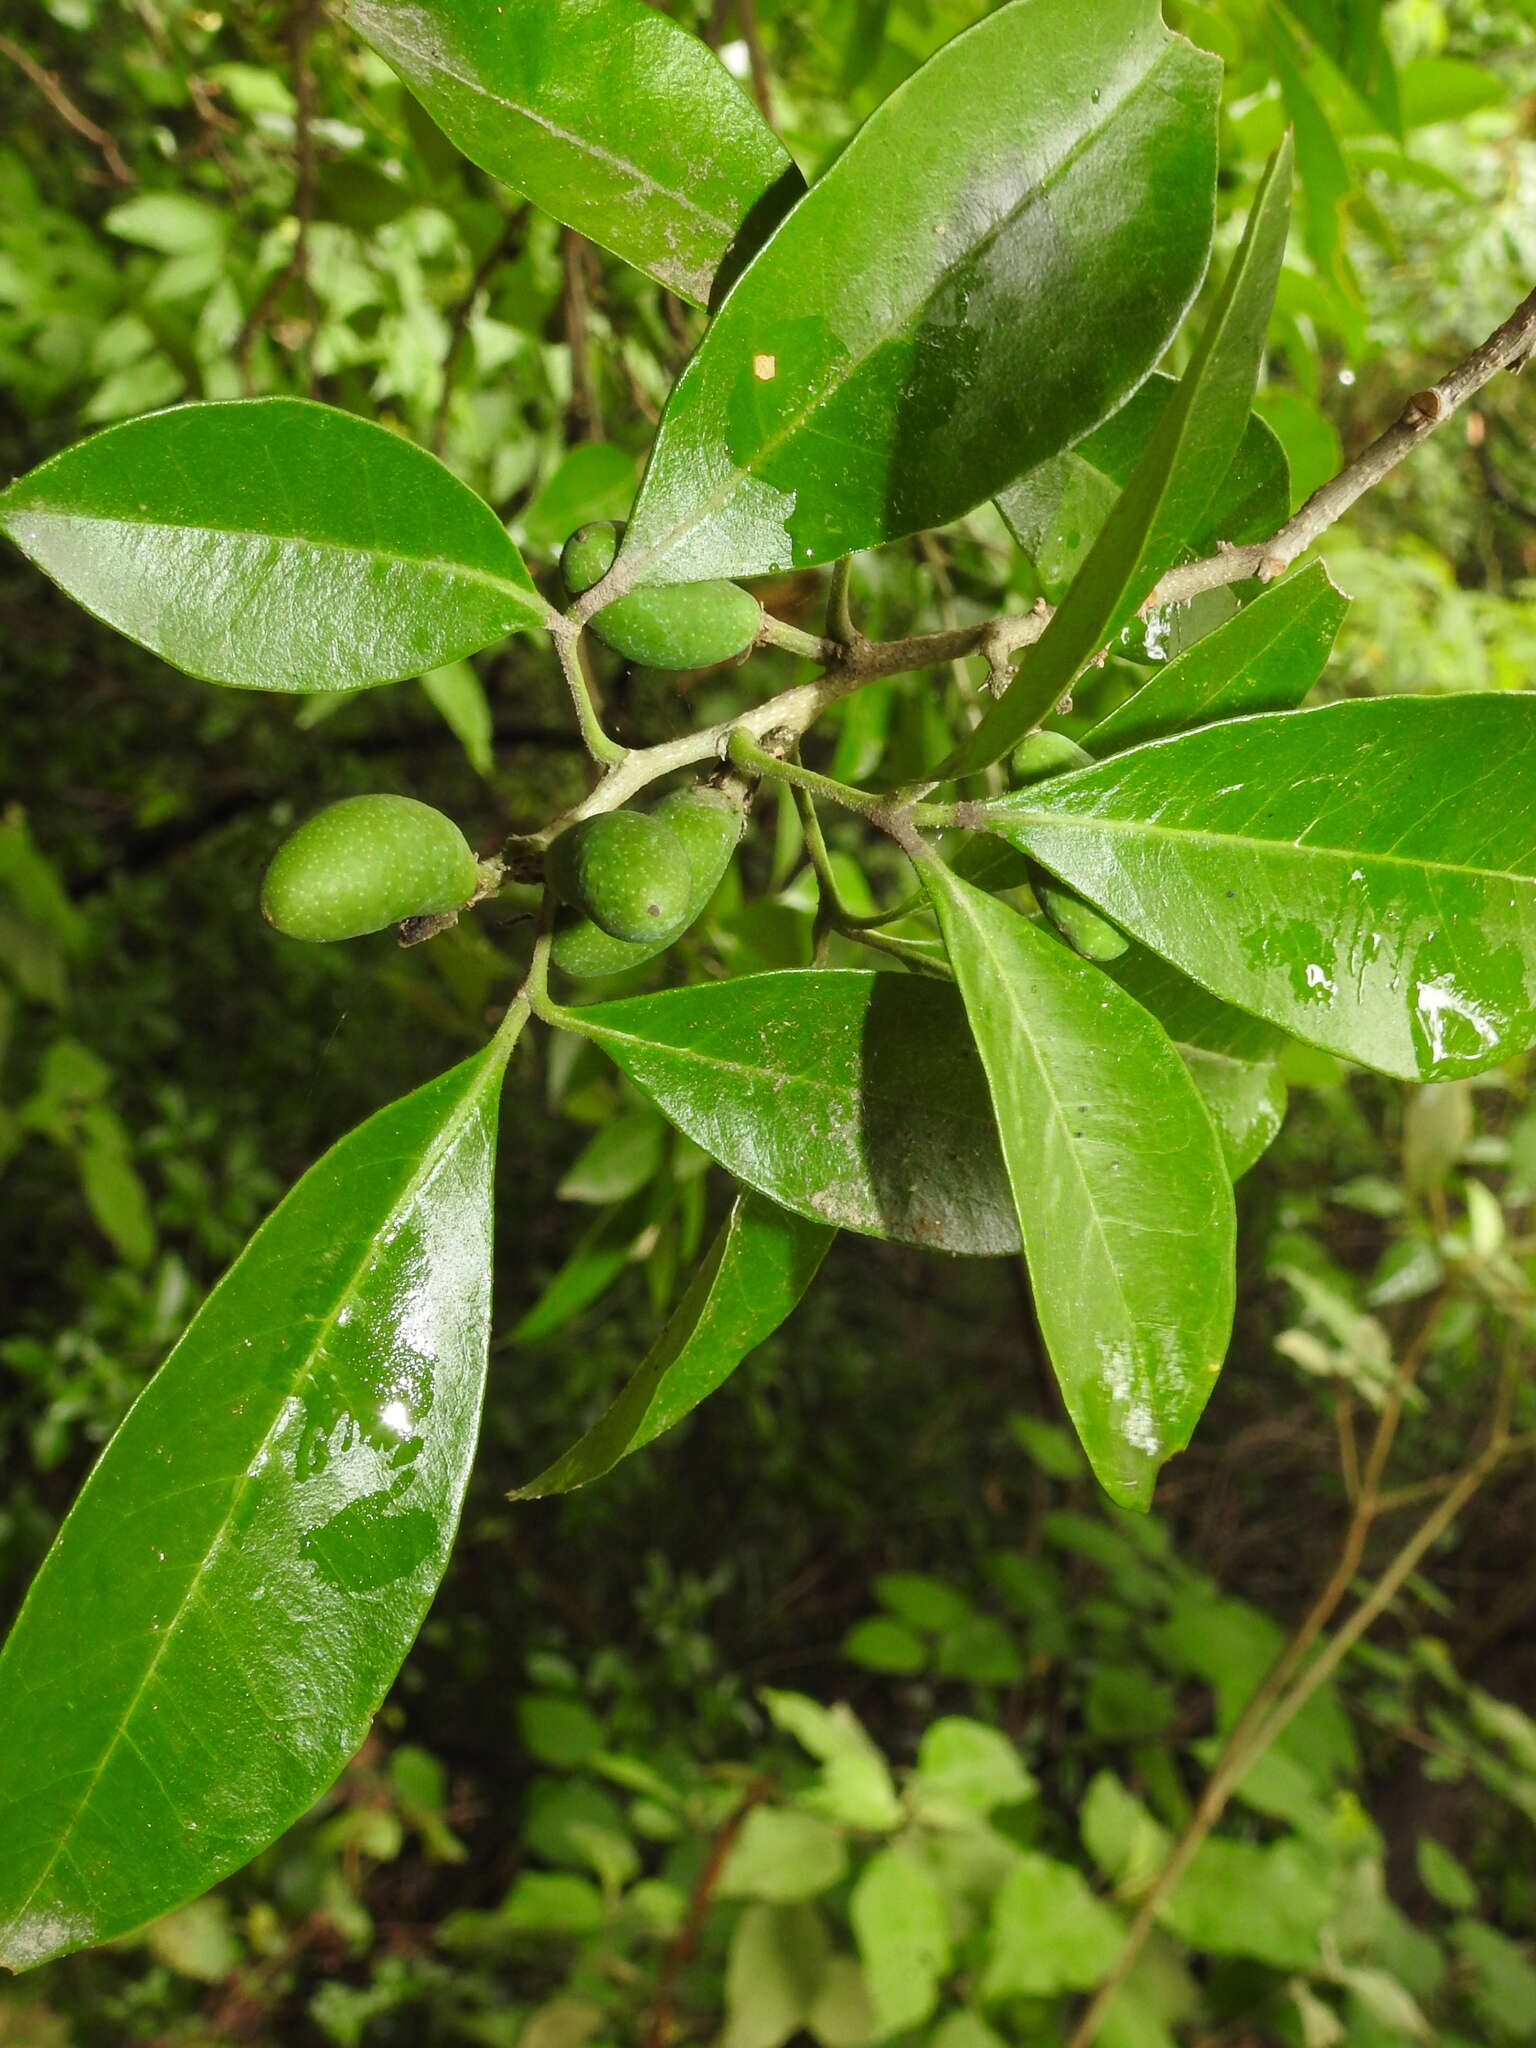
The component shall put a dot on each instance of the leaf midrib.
(526, 596)
(1284, 848)
(643, 557)
(419, 1181)
(802, 1076)
(1006, 983)
(583, 145)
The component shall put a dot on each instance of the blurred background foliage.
(849, 1712)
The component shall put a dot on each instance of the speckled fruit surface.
(364, 863)
(625, 871)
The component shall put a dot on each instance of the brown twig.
(463, 313)
(301, 32)
(762, 83)
(848, 667)
(47, 83)
(1290, 1683)
(586, 419)
(1505, 349)
(999, 639)
(658, 2033)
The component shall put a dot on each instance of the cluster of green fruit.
(676, 626)
(628, 883)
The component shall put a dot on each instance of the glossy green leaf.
(1350, 32)
(1232, 1058)
(756, 1271)
(901, 1922)
(1449, 89)
(1322, 170)
(1123, 1199)
(602, 112)
(854, 1099)
(986, 271)
(222, 1612)
(458, 696)
(1190, 452)
(1265, 659)
(274, 544)
(1058, 510)
(1363, 875)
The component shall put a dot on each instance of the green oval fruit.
(365, 863)
(1047, 753)
(625, 871)
(676, 626)
(1094, 937)
(681, 625)
(589, 554)
(708, 821)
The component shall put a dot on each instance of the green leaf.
(1232, 1058)
(111, 1185)
(1322, 171)
(274, 544)
(1121, 1836)
(1123, 1199)
(233, 1592)
(596, 480)
(1245, 1099)
(855, 1785)
(1363, 875)
(552, 1902)
(880, 1644)
(965, 2030)
(783, 1856)
(197, 1941)
(1188, 455)
(1231, 1647)
(1350, 32)
(173, 223)
(757, 1269)
(1287, 1889)
(1449, 89)
(624, 1156)
(1051, 1450)
(854, 1099)
(556, 1730)
(603, 113)
(981, 1651)
(1058, 510)
(1444, 1876)
(923, 1601)
(1504, 1982)
(1265, 659)
(775, 1971)
(966, 1768)
(984, 273)
(1311, 440)
(590, 1268)
(458, 697)
(901, 1924)
(1048, 1934)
